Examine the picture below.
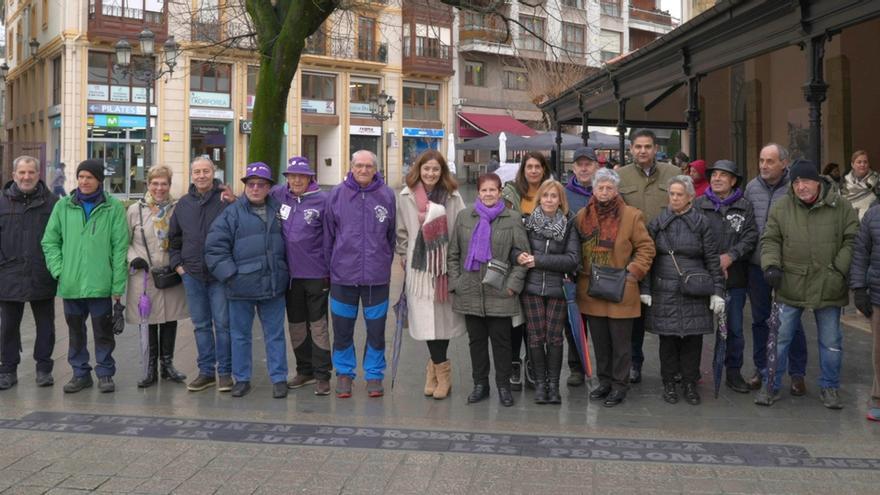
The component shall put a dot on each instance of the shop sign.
(119, 121)
(251, 100)
(360, 108)
(207, 113)
(245, 126)
(318, 106)
(205, 130)
(99, 92)
(364, 130)
(120, 93)
(121, 109)
(205, 99)
(420, 132)
(56, 122)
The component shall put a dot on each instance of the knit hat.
(259, 170)
(803, 169)
(94, 167)
(299, 165)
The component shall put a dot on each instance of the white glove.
(646, 299)
(716, 304)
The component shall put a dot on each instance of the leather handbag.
(607, 283)
(496, 274)
(163, 276)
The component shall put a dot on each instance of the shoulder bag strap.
(671, 254)
(143, 234)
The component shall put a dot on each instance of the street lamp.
(4, 70)
(35, 46)
(146, 72)
(378, 106)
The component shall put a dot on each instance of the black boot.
(149, 378)
(169, 335)
(539, 365)
(554, 367)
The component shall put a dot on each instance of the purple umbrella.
(144, 308)
(402, 313)
(772, 338)
(720, 348)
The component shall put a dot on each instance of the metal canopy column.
(693, 115)
(621, 132)
(585, 124)
(558, 146)
(815, 91)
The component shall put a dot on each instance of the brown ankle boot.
(444, 379)
(430, 378)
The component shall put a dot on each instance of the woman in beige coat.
(426, 211)
(148, 221)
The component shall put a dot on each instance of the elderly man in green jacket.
(806, 251)
(85, 245)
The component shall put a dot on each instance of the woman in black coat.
(683, 238)
(864, 280)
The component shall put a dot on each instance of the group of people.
(647, 248)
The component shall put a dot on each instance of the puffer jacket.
(690, 237)
(762, 196)
(737, 235)
(246, 253)
(553, 259)
(864, 273)
(471, 296)
(23, 219)
(189, 227)
(304, 231)
(813, 247)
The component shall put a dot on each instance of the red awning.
(492, 124)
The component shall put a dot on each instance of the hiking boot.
(516, 376)
(8, 380)
(735, 382)
(375, 389)
(279, 390)
(78, 383)
(635, 375)
(343, 387)
(755, 381)
(201, 383)
(225, 383)
(106, 385)
(301, 381)
(44, 379)
(830, 398)
(242, 388)
(575, 379)
(765, 398)
(322, 387)
(669, 393)
(690, 394)
(798, 387)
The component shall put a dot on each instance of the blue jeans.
(736, 302)
(101, 310)
(210, 316)
(271, 313)
(760, 297)
(830, 342)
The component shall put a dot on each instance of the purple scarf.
(718, 202)
(574, 186)
(89, 198)
(480, 250)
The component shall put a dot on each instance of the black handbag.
(695, 282)
(607, 283)
(164, 276)
(496, 274)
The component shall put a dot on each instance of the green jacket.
(87, 258)
(648, 194)
(510, 195)
(813, 247)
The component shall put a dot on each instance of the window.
(610, 43)
(576, 4)
(107, 83)
(147, 10)
(253, 72)
(421, 101)
(430, 41)
(515, 80)
(367, 38)
(56, 81)
(316, 44)
(474, 74)
(45, 14)
(573, 38)
(611, 8)
(318, 93)
(361, 91)
(206, 21)
(531, 33)
(211, 78)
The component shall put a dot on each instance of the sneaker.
(78, 383)
(735, 382)
(343, 387)
(830, 398)
(44, 379)
(8, 380)
(765, 398)
(873, 413)
(224, 383)
(106, 385)
(201, 383)
(575, 379)
(374, 388)
(322, 387)
(301, 381)
(242, 388)
(516, 376)
(279, 390)
(798, 387)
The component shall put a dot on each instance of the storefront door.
(209, 139)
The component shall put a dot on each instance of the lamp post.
(146, 72)
(378, 106)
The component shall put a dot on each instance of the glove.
(716, 304)
(646, 299)
(773, 276)
(118, 318)
(863, 302)
(139, 264)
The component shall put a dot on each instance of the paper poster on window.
(99, 92)
(139, 95)
(318, 106)
(120, 93)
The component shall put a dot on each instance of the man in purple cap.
(302, 219)
(244, 250)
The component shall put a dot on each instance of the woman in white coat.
(148, 221)
(426, 211)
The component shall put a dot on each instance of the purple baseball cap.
(299, 165)
(258, 169)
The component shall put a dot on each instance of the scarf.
(718, 202)
(860, 192)
(480, 249)
(428, 277)
(575, 187)
(600, 223)
(547, 227)
(89, 198)
(160, 217)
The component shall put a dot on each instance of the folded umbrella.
(577, 326)
(145, 306)
(402, 314)
(772, 340)
(118, 318)
(720, 348)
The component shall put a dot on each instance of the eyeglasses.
(257, 185)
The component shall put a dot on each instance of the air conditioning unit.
(382, 53)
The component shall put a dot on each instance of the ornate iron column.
(693, 115)
(815, 91)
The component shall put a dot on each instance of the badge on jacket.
(285, 212)
(381, 213)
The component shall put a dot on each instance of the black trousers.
(680, 355)
(307, 325)
(10, 334)
(612, 343)
(638, 339)
(480, 331)
(437, 349)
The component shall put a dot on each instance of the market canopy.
(490, 143)
(494, 124)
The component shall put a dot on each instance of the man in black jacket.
(205, 295)
(25, 206)
(732, 220)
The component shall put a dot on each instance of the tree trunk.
(270, 112)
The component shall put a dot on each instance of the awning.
(493, 124)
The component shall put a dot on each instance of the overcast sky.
(673, 6)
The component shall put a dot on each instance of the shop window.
(253, 71)
(361, 91)
(421, 101)
(210, 84)
(475, 74)
(107, 83)
(318, 93)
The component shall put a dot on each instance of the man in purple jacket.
(302, 215)
(359, 238)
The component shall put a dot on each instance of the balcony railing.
(653, 16)
(210, 32)
(113, 20)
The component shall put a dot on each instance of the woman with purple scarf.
(485, 281)
(732, 220)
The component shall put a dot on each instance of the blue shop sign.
(419, 132)
(120, 121)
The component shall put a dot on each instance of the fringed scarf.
(160, 218)
(599, 227)
(546, 226)
(428, 278)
